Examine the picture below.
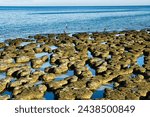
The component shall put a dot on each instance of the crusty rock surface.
(85, 63)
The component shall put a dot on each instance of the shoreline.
(77, 66)
(71, 33)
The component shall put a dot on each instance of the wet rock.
(30, 47)
(57, 84)
(36, 63)
(38, 72)
(94, 83)
(71, 79)
(79, 64)
(105, 54)
(4, 66)
(2, 45)
(51, 36)
(14, 69)
(44, 58)
(79, 84)
(114, 95)
(83, 72)
(32, 93)
(61, 69)
(6, 59)
(22, 59)
(114, 58)
(101, 69)
(66, 94)
(38, 50)
(84, 94)
(23, 73)
(19, 82)
(82, 36)
(48, 77)
(3, 83)
(4, 97)
(70, 93)
(24, 82)
(96, 61)
(116, 84)
(46, 48)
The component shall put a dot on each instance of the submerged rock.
(36, 63)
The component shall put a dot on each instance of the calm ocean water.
(24, 21)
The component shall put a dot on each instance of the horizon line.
(65, 5)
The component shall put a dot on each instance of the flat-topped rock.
(32, 93)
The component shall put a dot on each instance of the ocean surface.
(24, 21)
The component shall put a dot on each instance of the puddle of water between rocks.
(53, 47)
(7, 93)
(49, 96)
(99, 93)
(39, 55)
(90, 54)
(91, 69)
(140, 60)
(2, 75)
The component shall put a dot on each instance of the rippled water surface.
(23, 21)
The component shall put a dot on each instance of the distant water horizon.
(70, 6)
(21, 21)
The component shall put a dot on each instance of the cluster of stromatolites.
(114, 57)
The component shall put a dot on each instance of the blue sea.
(24, 21)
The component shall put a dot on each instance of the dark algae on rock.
(81, 66)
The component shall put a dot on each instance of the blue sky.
(72, 2)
